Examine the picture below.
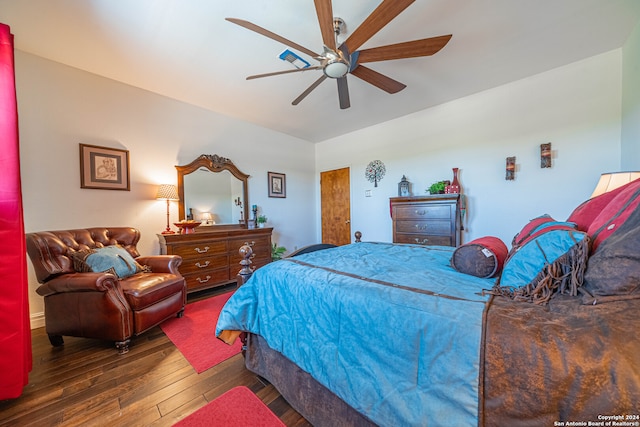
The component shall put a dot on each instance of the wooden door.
(335, 206)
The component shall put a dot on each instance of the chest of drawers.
(427, 220)
(210, 258)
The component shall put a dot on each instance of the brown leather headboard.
(49, 250)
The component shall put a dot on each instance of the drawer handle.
(422, 212)
(202, 251)
(421, 227)
(203, 280)
(250, 244)
(424, 241)
(206, 264)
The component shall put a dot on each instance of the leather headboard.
(49, 250)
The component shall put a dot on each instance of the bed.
(384, 334)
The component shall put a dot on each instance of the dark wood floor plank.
(82, 413)
(127, 418)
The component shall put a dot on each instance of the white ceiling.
(185, 49)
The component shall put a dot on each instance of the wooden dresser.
(210, 257)
(427, 220)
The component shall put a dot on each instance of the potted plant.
(261, 220)
(437, 187)
(277, 251)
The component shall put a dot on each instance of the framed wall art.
(545, 155)
(104, 168)
(277, 185)
(511, 168)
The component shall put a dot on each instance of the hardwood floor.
(86, 383)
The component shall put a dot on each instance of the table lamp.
(167, 192)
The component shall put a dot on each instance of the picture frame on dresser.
(104, 168)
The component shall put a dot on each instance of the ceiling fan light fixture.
(336, 68)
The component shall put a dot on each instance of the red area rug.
(238, 407)
(194, 334)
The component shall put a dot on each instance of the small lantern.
(403, 187)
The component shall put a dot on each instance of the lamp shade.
(167, 192)
(612, 180)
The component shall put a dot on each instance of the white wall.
(631, 102)
(577, 108)
(60, 107)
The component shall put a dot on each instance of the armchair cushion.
(114, 259)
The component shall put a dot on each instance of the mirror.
(213, 184)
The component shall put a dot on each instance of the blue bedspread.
(391, 329)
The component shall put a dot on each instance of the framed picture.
(104, 168)
(277, 185)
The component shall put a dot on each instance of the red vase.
(454, 187)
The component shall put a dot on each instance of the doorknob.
(348, 221)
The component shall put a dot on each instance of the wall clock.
(375, 171)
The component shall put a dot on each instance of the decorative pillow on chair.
(113, 259)
(551, 260)
(483, 257)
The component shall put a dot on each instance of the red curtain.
(15, 331)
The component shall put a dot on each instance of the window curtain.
(15, 331)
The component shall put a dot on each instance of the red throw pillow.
(530, 228)
(614, 214)
(588, 210)
(483, 257)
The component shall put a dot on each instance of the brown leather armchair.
(102, 305)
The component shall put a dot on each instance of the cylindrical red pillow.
(482, 257)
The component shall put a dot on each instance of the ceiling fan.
(336, 61)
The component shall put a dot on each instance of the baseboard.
(37, 320)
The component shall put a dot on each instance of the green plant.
(437, 187)
(277, 251)
(262, 219)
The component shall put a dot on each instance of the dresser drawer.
(258, 244)
(441, 227)
(205, 279)
(419, 212)
(190, 265)
(424, 239)
(200, 249)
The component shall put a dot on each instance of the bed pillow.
(613, 272)
(482, 257)
(588, 210)
(112, 259)
(552, 260)
(528, 229)
(614, 214)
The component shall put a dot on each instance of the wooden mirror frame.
(214, 163)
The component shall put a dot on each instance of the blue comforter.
(391, 329)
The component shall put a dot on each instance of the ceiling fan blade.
(378, 80)
(343, 93)
(381, 16)
(325, 19)
(276, 73)
(253, 27)
(412, 49)
(304, 94)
